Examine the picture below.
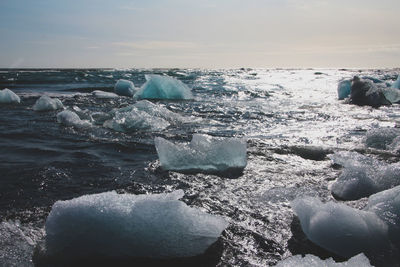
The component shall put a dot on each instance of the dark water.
(290, 118)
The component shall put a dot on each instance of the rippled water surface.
(290, 118)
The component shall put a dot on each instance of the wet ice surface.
(291, 120)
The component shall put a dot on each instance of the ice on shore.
(143, 115)
(313, 261)
(163, 87)
(341, 229)
(363, 176)
(8, 97)
(45, 103)
(102, 94)
(124, 88)
(203, 153)
(70, 118)
(344, 89)
(115, 225)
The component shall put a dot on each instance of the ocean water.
(291, 119)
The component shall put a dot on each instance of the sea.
(291, 120)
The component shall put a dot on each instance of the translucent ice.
(45, 103)
(363, 176)
(102, 94)
(313, 261)
(396, 84)
(115, 225)
(342, 229)
(381, 138)
(8, 97)
(344, 88)
(124, 88)
(392, 94)
(163, 87)
(70, 118)
(203, 153)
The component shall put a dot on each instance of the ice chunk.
(45, 103)
(365, 92)
(102, 94)
(312, 261)
(203, 153)
(118, 226)
(124, 88)
(163, 87)
(84, 114)
(344, 88)
(158, 111)
(100, 117)
(8, 97)
(363, 176)
(396, 84)
(70, 118)
(392, 94)
(381, 138)
(342, 229)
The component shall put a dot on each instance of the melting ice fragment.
(203, 153)
(8, 97)
(102, 94)
(344, 89)
(396, 84)
(365, 92)
(363, 176)
(124, 88)
(112, 225)
(381, 138)
(163, 87)
(313, 261)
(341, 229)
(45, 103)
(70, 118)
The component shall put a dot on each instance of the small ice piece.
(158, 111)
(102, 94)
(344, 89)
(203, 153)
(45, 103)
(70, 118)
(381, 138)
(163, 87)
(100, 117)
(363, 176)
(123, 226)
(392, 94)
(341, 229)
(313, 261)
(396, 84)
(83, 114)
(124, 88)
(8, 97)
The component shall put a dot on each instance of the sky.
(199, 34)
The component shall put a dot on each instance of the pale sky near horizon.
(201, 34)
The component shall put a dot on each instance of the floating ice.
(313, 261)
(396, 84)
(381, 138)
(112, 225)
(102, 94)
(344, 89)
(365, 92)
(163, 87)
(124, 88)
(70, 118)
(363, 176)
(45, 103)
(100, 117)
(203, 153)
(342, 229)
(8, 97)
(83, 114)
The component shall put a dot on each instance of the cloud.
(156, 45)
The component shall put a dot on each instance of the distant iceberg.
(344, 89)
(124, 88)
(347, 231)
(363, 176)
(313, 261)
(124, 226)
(45, 103)
(8, 97)
(70, 118)
(203, 153)
(102, 94)
(163, 87)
